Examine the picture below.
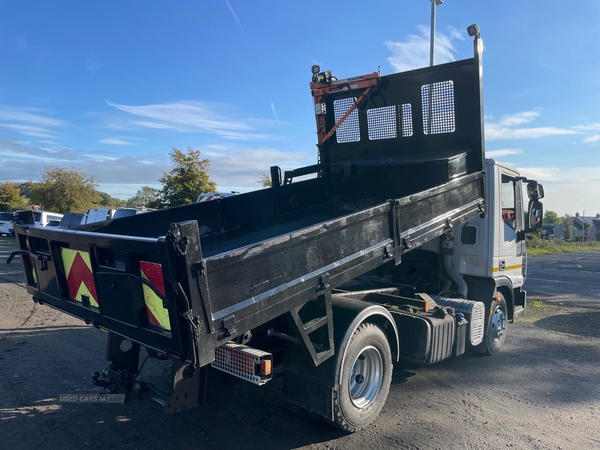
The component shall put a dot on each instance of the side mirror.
(535, 191)
(535, 214)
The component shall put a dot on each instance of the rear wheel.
(498, 321)
(365, 378)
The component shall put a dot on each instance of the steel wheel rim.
(498, 323)
(365, 377)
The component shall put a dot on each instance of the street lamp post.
(434, 4)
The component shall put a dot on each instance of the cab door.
(509, 261)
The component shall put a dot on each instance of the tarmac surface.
(542, 391)
(572, 277)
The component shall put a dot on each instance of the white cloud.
(231, 168)
(120, 141)
(563, 187)
(456, 34)
(592, 139)
(194, 116)
(588, 127)
(154, 125)
(414, 51)
(493, 131)
(507, 127)
(502, 152)
(511, 120)
(238, 169)
(29, 130)
(99, 157)
(25, 115)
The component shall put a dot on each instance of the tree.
(10, 196)
(110, 202)
(65, 190)
(187, 179)
(145, 196)
(264, 180)
(568, 224)
(551, 217)
(586, 227)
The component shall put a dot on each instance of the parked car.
(42, 218)
(35, 217)
(126, 212)
(53, 224)
(5, 223)
(98, 215)
(71, 220)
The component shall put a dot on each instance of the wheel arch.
(505, 286)
(349, 314)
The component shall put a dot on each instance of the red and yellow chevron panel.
(158, 315)
(80, 279)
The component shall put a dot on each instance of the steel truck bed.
(400, 162)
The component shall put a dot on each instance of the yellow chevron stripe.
(68, 256)
(497, 269)
(155, 305)
(83, 290)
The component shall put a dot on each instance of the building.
(592, 231)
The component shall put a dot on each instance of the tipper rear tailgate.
(128, 285)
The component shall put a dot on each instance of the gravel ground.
(541, 392)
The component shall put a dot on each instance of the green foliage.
(551, 217)
(264, 180)
(145, 196)
(10, 197)
(537, 246)
(65, 190)
(110, 202)
(187, 179)
(568, 224)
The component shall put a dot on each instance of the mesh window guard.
(438, 107)
(405, 119)
(381, 123)
(349, 130)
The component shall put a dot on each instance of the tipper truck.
(402, 242)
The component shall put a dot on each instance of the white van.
(42, 218)
(35, 217)
(98, 215)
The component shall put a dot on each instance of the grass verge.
(537, 246)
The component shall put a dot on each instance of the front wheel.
(366, 374)
(498, 321)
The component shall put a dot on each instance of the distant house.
(553, 230)
(594, 221)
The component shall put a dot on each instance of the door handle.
(502, 265)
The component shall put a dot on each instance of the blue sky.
(110, 87)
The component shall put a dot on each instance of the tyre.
(365, 377)
(498, 321)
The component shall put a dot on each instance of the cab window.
(508, 201)
(512, 203)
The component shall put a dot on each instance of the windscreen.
(71, 220)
